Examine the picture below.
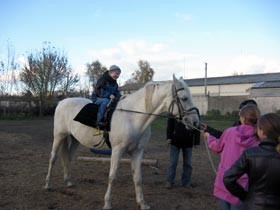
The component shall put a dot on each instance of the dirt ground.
(25, 147)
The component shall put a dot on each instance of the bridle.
(176, 100)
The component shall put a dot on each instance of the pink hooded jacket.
(230, 146)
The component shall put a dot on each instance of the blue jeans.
(102, 103)
(173, 161)
(227, 206)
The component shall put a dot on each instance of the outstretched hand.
(168, 141)
(123, 97)
(112, 96)
(202, 126)
(206, 135)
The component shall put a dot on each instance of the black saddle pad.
(87, 115)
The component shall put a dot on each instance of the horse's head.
(182, 105)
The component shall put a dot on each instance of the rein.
(207, 149)
(185, 122)
(147, 113)
(181, 118)
(175, 100)
(158, 115)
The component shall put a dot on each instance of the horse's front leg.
(137, 178)
(116, 156)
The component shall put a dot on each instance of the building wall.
(228, 104)
(225, 104)
(265, 92)
(223, 90)
(201, 102)
(268, 104)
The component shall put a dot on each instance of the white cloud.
(21, 60)
(127, 54)
(166, 61)
(252, 64)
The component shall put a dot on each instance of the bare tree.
(142, 75)
(94, 71)
(8, 68)
(47, 71)
(235, 73)
(69, 82)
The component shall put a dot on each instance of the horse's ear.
(174, 79)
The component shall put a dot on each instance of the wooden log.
(148, 162)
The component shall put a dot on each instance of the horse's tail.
(68, 149)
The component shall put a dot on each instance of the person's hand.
(112, 96)
(202, 126)
(206, 135)
(168, 141)
(123, 97)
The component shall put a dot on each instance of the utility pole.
(205, 79)
(185, 67)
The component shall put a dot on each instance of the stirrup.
(96, 131)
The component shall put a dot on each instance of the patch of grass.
(218, 124)
(13, 116)
(160, 124)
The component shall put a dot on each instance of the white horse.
(130, 128)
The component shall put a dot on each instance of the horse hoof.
(144, 207)
(47, 187)
(107, 207)
(70, 184)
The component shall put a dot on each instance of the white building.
(226, 93)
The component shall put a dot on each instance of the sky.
(175, 37)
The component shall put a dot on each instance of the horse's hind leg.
(67, 152)
(58, 140)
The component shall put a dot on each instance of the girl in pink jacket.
(230, 146)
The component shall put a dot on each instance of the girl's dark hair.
(270, 124)
(251, 113)
(247, 102)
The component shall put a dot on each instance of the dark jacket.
(106, 86)
(262, 164)
(217, 133)
(180, 136)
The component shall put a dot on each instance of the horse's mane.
(148, 92)
(150, 89)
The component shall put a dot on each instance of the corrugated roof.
(269, 84)
(238, 79)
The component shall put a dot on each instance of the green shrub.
(15, 116)
(214, 113)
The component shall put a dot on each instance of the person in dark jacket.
(262, 165)
(105, 90)
(218, 133)
(180, 138)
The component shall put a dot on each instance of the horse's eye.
(184, 98)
